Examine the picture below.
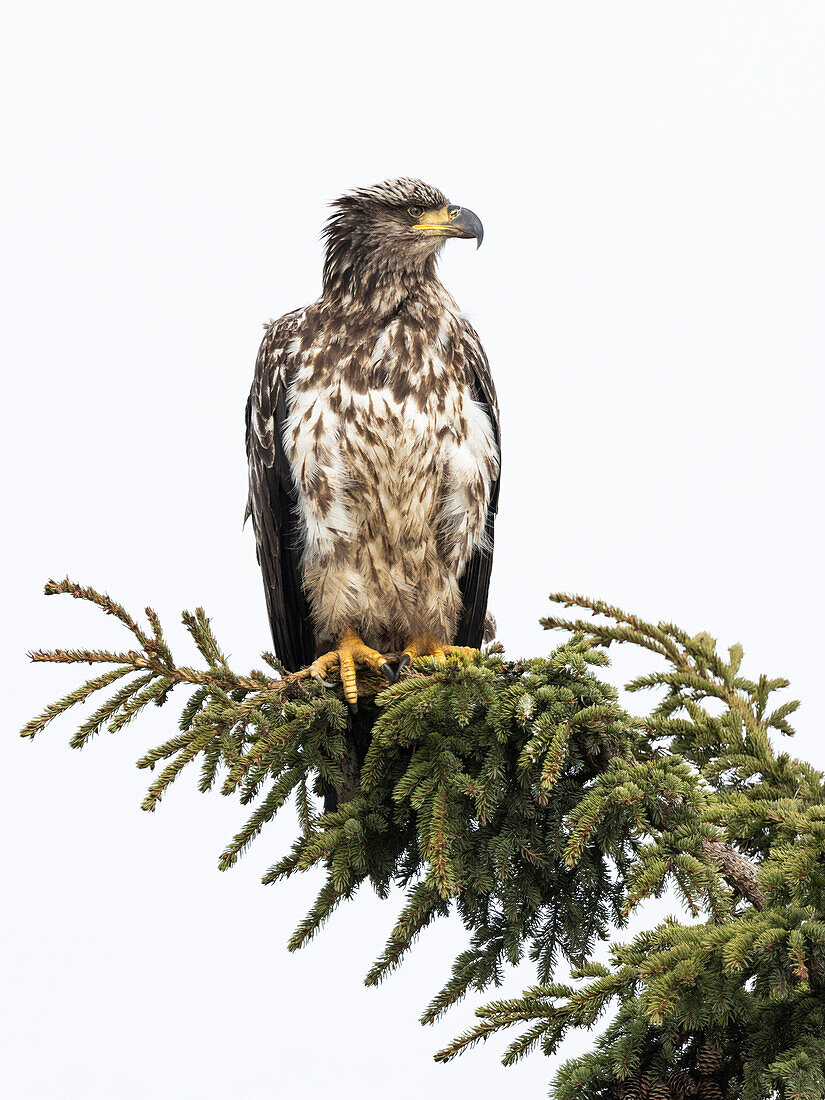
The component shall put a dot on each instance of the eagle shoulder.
(268, 386)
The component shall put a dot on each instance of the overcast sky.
(650, 293)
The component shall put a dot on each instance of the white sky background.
(650, 294)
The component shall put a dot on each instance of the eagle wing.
(272, 497)
(474, 583)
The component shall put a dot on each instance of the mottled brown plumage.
(373, 441)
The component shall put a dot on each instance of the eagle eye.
(415, 211)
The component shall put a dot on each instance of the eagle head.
(395, 227)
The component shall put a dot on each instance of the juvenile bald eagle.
(372, 433)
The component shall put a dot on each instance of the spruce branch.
(521, 796)
(697, 673)
(704, 1009)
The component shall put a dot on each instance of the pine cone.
(709, 1090)
(708, 1059)
(632, 1089)
(681, 1084)
(660, 1092)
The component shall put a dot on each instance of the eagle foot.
(349, 652)
(427, 645)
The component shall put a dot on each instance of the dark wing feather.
(475, 581)
(272, 498)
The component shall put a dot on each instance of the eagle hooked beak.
(452, 221)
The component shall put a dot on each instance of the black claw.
(405, 662)
(388, 672)
(354, 707)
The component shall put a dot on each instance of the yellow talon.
(427, 645)
(349, 652)
(465, 651)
